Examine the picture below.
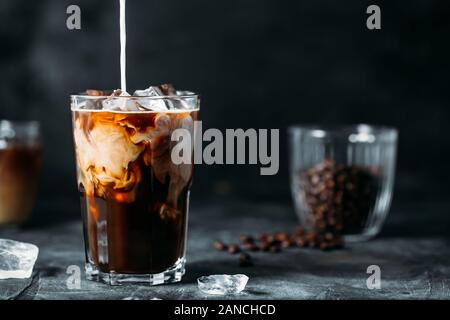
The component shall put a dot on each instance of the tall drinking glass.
(134, 198)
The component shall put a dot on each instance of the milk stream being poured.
(140, 101)
(123, 46)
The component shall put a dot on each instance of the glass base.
(365, 235)
(354, 238)
(112, 278)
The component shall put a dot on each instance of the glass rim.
(19, 123)
(190, 99)
(327, 131)
(336, 128)
(20, 132)
(181, 96)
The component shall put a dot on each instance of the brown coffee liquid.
(19, 170)
(135, 219)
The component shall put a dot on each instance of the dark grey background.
(259, 64)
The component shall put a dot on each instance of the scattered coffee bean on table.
(245, 239)
(275, 248)
(251, 247)
(245, 260)
(234, 248)
(340, 199)
(265, 246)
(269, 243)
(219, 245)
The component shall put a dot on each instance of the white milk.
(123, 46)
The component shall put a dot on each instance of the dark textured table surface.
(412, 252)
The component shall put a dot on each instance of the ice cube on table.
(222, 284)
(17, 259)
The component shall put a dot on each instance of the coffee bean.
(328, 236)
(282, 236)
(263, 237)
(299, 230)
(321, 225)
(246, 239)
(286, 243)
(331, 221)
(95, 93)
(275, 243)
(341, 179)
(234, 248)
(330, 184)
(315, 179)
(245, 260)
(219, 245)
(302, 242)
(265, 246)
(251, 246)
(275, 249)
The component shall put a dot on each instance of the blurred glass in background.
(342, 178)
(20, 164)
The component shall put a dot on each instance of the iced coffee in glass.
(134, 198)
(20, 165)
